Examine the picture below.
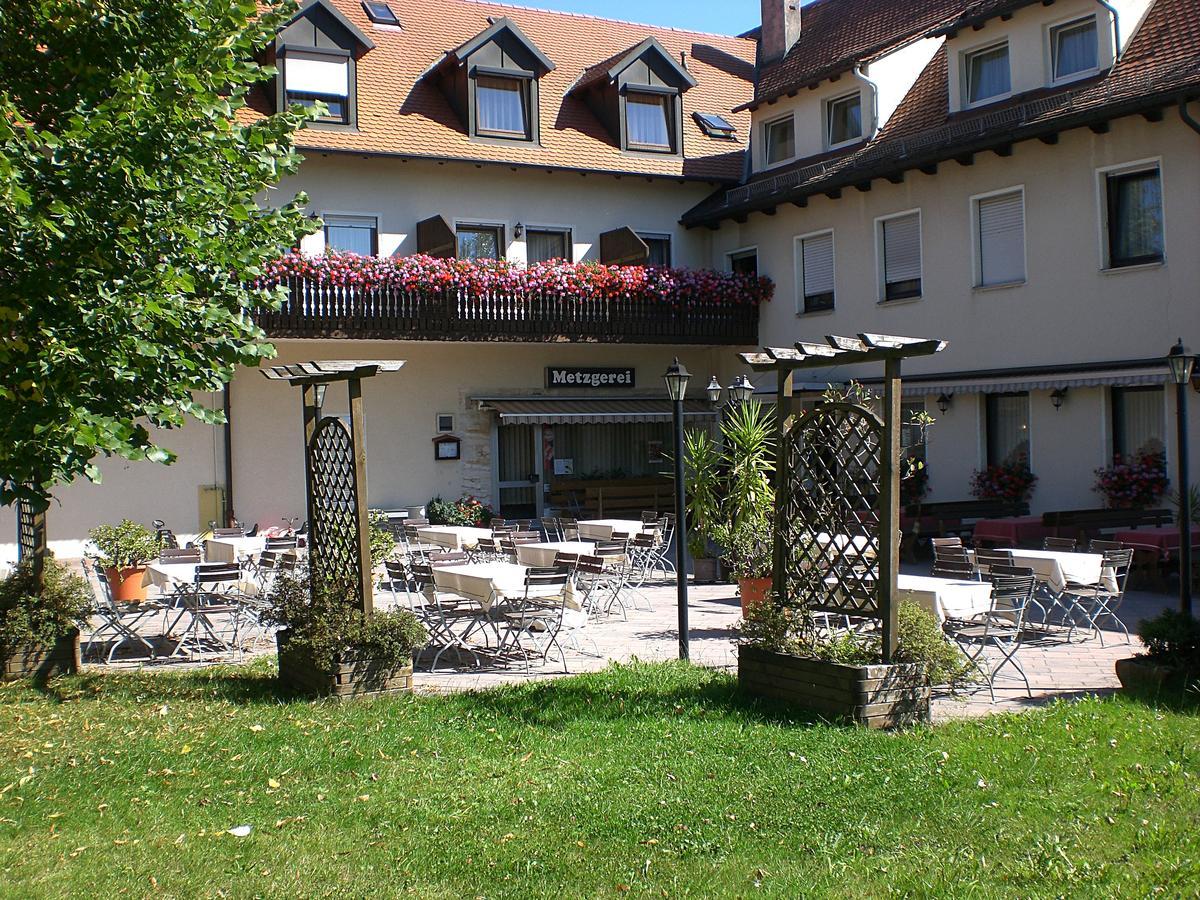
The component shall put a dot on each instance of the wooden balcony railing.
(322, 310)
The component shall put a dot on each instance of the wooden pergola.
(837, 350)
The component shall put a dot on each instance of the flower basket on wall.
(1136, 482)
(1012, 482)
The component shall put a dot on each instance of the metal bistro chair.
(960, 571)
(118, 620)
(215, 591)
(985, 559)
(397, 578)
(1099, 546)
(441, 611)
(615, 559)
(175, 556)
(1002, 629)
(553, 529)
(569, 528)
(1098, 602)
(942, 543)
(486, 550)
(165, 536)
(538, 616)
(1064, 545)
(666, 534)
(228, 533)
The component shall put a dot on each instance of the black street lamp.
(741, 390)
(1181, 363)
(676, 378)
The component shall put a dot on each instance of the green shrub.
(920, 640)
(123, 546)
(383, 542)
(39, 618)
(1173, 639)
(466, 510)
(326, 624)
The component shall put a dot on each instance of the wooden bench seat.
(1084, 524)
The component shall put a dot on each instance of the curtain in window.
(1075, 49)
(1138, 418)
(350, 235)
(545, 245)
(1008, 429)
(500, 104)
(781, 140)
(988, 74)
(646, 120)
(478, 243)
(1135, 207)
(1002, 239)
(845, 120)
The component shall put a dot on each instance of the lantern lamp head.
(1181, 363)
(713, 391)
(741, 389)
(1057, 396)
(677, 377)
(944, 401)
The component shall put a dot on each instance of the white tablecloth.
(602, 529)
(854, 546)
(945, 597)
(453, 537)
(167, 575)
(490, 583)
(233, 550)
(1055, 568)
(542, 554)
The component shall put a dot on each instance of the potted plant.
(749, 551)
(1172, 656)
(124, 550)
(328, 647)
(1011, 481)
(39, 624)
(1135, 483)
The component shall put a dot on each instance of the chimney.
(780, 29)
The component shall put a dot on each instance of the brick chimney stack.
(780, 29)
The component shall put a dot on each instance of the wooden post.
(311, 412)
(362, 525)
(889, 505)
(783, 418)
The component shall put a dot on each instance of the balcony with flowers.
(343, 295)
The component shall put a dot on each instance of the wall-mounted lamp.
(1057, 396)
(944, 401)
(519, 230)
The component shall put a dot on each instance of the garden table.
(233, 550)
(1010, 531)
(453, 537)
(1164, 541)
(543, 554)
(170, 575)
(491, 583)
(1055, 568)
(946, 598)
(602, 529)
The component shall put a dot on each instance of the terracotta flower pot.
(753, 591)
(126, 583)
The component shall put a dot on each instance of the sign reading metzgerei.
(589, 376)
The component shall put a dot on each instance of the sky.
(716, 16)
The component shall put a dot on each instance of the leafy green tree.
(129, 223)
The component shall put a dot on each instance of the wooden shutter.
(435, 237)
(902, 249)
(1002, 239)
(621, 247)
(818, 264)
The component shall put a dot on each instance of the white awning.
(1044, 382)
(588, 410)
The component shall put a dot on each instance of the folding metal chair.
(1099, 546)
(538, 616)
(985, 559)
(1098, 602)
(441, 611)
(960, 570)
(1001, 629)
(1066, 545)
(118, 621)
(214, 592)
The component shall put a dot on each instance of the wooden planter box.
(43, 662)
(878, 696)
(1142, 675)
(351, 677)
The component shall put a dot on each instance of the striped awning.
(588, 410)
(1043, 382)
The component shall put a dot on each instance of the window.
(480, 241)
(814, 272)
(380, 13)
(445, 422)
(780, 140)
(744, 262)
(544, 244)
(1073, 48)
(714, 125)
(648, 121)
(987, 74)
(1134, 217)
(843, 120)
(659, 246)
(309, 79)
(352, 234)
(900, 253)
(1000, 238)
(1008, 429)
(501, 106)
(1138, 414)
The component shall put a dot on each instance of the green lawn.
(645, 780)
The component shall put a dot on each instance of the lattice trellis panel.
(335, 529)
(828, 534)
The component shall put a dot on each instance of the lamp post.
(1181, 364)
(676, 378)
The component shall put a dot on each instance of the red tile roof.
(400, 113)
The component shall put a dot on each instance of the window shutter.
(436, 238)
(1001, 239)
(902, 248)
(317, 76)
(621, 247)
(818, 265)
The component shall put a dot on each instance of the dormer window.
(987, 73)
(316, 54)
(843, 120)
(648, 119)
(1074, 49)
(779, 140)
(501, 106)
(310, 78)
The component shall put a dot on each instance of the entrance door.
(519, 461)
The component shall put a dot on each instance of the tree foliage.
(129, 223)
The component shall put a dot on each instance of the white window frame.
(827, 108)
(880, 261)
(351, 214)
(977, 240)
(1102, 173)
(964, 69)
(766, 127)
(1053, 27)
(740, 251)
(798, 270)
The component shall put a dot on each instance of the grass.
(643, 780)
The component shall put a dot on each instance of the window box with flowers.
(1010, 481)
(1137, 482)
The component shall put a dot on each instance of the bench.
(611, 499)
(950, 518)
(1084, 524)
